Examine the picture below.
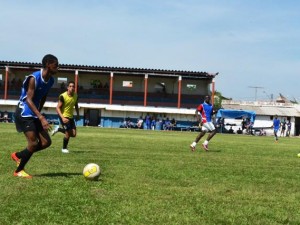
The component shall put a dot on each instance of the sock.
(25, 155)
(65, 143)
(194, 144)
(205, 142)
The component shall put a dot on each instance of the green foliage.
(152, 177)
(95, 83)
(218, 100)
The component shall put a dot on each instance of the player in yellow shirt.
(65, 108)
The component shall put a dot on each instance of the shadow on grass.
(67, 175)
(216, 150)
(80, 152)
(58, 174)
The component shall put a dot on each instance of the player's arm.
(59, 108)
(198, 113)
(31, 105)
(214, 111)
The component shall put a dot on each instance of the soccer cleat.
(193, 148)
(22, 174)
(64, 150)
(15, 158)
(55, 130)
(205, 147)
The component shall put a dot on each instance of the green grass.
(152, 177)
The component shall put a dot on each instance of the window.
(128, 84)
(61, 80)
(191, 87)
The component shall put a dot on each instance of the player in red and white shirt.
(204, 114)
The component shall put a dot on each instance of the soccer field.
(152, 177)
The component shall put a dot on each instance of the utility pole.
(255, 87)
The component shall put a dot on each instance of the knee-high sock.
(65, 143)
(24, 155)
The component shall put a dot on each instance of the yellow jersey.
(68, 104)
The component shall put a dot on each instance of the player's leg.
(58, 129)
(275, 135)
(209, 126)
(70, 131)
(199, 136)
(72, 128)
(25, 155)
(66, 141)
(44, 140)
(30, 127)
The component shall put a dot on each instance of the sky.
(254, 45)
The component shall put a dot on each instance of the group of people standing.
(151, 123)
(284, 127)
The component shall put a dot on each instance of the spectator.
(63, 86)
(148, 121)
(239, 131)
(86, 121)
(139, 123)
(244, 124)
(283, 127)
(289, 127)
(167, 124)
(5, 117)
(106, 85)
(153, 123)
(173, 124)
(262, 132)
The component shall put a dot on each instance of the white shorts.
(209, 126)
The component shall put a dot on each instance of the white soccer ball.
(91, 171)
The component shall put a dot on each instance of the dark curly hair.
(49, 59)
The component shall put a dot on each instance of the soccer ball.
(91, 171)
(298, 155)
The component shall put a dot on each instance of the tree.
(218, 97)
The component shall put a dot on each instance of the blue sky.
(250, 43)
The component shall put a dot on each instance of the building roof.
(116, 70)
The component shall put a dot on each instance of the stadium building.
(109, 95)
(265, 112)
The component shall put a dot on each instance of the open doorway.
(297, 127)
(92, 117)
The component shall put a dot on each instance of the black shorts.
(68, 126)
(24, 124)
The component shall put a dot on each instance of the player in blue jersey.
(28, 116)
(204, 113)
(276, 127)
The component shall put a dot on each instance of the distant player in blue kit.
(204, 114)
(276, 127)
(28, 116)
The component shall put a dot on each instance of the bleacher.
(101, 96)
